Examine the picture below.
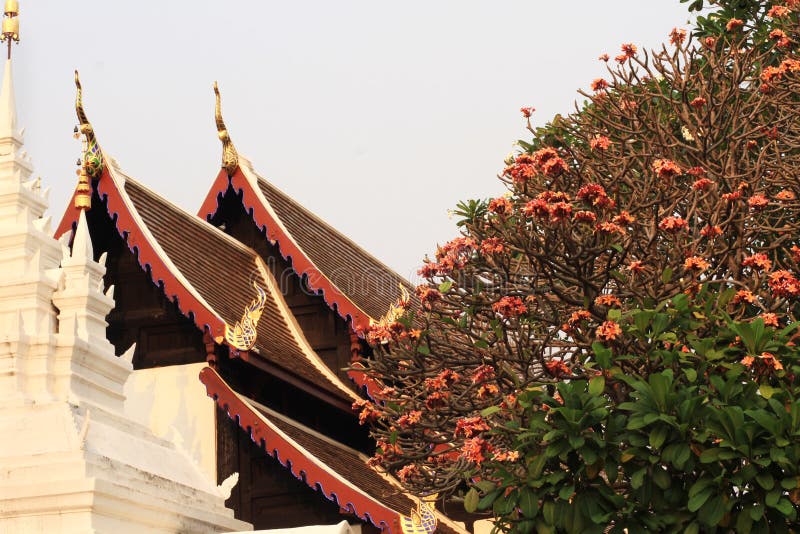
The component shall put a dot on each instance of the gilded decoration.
(242, 336)
(230, 158)
(421, 521)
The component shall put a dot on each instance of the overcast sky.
(377, 116)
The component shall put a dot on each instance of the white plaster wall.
(173, 403)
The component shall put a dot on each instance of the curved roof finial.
(230, 158)
(91, 161)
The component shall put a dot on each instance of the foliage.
(709, 437)
(676, 182)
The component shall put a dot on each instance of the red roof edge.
(317, 281)
(137, 240)
(295, 459)
(290, 251)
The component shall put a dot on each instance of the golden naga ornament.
(396, 309)
(422, 520)
(91, 162)
(243, 334)
(230, 158)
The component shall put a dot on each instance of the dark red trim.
(299, 260)
(128, 229)
(292, 456)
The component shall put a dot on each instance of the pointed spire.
(82, 244)
(230, 158)
(8, 107)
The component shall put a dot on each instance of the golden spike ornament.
(230, 158)
(422, 520)
(91, 162)
(396, 309)
(242, 336)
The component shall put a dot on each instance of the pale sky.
(377, 116)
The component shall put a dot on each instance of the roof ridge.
(190, 216)
(322, 221)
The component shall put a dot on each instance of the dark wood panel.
(268, 495)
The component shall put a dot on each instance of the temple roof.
(209, 275)
(352, 281)
(341, 474)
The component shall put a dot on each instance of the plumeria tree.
(608, 343)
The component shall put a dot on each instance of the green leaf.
(785, 507)
(699, 499)
(691, 374)
(445, 286)
(666, 276)
(602, 355)
(765, 480)
(637, 479)
(662, 478)
(712, 511)
(566, 492)
(486, 412)
(658, 435)
(471, 501)
(528, 503)
(597, 385)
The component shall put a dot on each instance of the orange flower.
(758, 261)
(599, 142)
(743, 295)
(703, 184)
(784, 284)
(599, 85)
(586, 217)
(470, 426)
(757, 202)
(603, 57)
(608, 331)
(785, 195)
(711, 231)
(482, 374)
(487, 390)
(411, 418)
(492, 245)
(610, 228)
(557, 368)
(734, 24)
(506, 456)
(778, 12)
(559, 212)
(673, 224)
(510, 307)
(677, 36)
(730, 197)
(474, 450)
(526, 112)
(771, 361)
(636, 267)
(629, 49)
(770, 319)
(747, 361)
(608, 300)
(623, 218)
(698, 102)
(696, 263)
(595, 195)
(407, 471)
(501, 206)
(770, 74)
(666, 169)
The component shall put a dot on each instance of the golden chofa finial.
(91, 162)
(10, 31)
(230, 158)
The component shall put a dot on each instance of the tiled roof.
(353, 281)
(340, 473)
(210, 275)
